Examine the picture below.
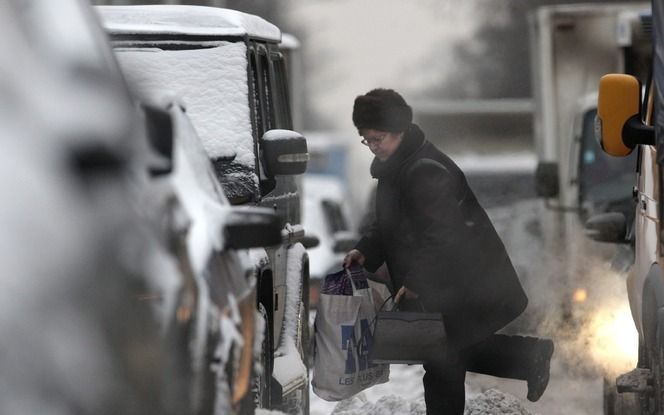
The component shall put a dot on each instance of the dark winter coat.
(438, 241)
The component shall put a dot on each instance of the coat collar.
(412, 140)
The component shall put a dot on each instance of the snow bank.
(261, 411)
(491, 402)
(387, 405)
(495, 402)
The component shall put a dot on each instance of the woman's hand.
(405, 293)
(353, 256)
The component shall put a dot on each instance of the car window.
(334, 217)
(602, 177)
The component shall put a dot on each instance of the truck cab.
(228, 69)
(630, 121)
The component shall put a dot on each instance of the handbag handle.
(396, 304)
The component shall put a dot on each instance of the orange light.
(242, 380)
(183, 314)
(580, 295)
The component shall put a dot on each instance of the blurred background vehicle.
(574, 177)
(76, 254)
(326, 216)
(227, 68)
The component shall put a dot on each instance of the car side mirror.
(310, 241)
(252, 227)
(160, 135)
(284, 152)
(546, 179)
(618, 126)
(607, 227)
(344, 241)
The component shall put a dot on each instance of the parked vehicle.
(227, 67)
(629, 119)
(326, 217)
(209, 318)
(75, 251)
(572, 45)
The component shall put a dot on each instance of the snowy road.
(403, 394)
(572, 389)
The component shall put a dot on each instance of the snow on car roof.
(289, 42)
(185, 20)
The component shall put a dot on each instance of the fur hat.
(383, 110)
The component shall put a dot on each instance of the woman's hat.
(383, 110)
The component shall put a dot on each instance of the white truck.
(571, 47)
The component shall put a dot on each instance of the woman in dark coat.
(441, 250)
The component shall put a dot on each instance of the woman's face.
(382, 143)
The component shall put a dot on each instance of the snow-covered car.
(209, 314)
(75, 252)
(327, 217)
(227, 68)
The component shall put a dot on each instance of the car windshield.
(212, 82)
(603, 178)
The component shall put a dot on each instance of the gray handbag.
(409, 337)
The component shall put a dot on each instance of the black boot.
(538, 376)
(514, 357)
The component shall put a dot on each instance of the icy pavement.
(485, 395)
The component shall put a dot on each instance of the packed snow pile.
(387, 405)
(491, 402)
(260, 411)
(494, 401)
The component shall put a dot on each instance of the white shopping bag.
(343, 338)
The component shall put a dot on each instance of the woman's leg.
(513, 357)
(444, 389)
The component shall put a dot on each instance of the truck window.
(334, 217)
(255, 104)
(266, 88)
(282, 106)
(602, 178)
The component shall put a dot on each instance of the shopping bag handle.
(350, 277)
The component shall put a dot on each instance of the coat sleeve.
(371, 246)
(432, 197)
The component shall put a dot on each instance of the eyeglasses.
(367, 141)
